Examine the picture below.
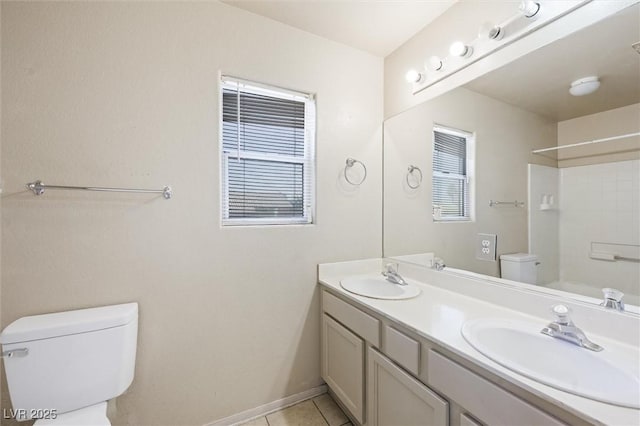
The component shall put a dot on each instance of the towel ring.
(410, 171)
(350, 163)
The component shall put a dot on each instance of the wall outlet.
(486, 247)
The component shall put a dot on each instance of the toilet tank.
(520, 267)
(70, 360)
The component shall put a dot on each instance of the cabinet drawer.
(402, 349)
(486, 401)
(360, 323)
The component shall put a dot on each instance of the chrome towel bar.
(38, 188)
(516, 203)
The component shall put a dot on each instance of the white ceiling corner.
(375, 26)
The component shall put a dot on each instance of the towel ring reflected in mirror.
(351, 162)
(417, 177)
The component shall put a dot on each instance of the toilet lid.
(94, 415)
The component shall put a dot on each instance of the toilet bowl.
(61, 368)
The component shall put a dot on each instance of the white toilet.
(63, 367)
(522, 267)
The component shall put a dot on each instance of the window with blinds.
(452, 167)
(267, 154)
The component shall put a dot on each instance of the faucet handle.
(562, 313)
(613, 298)
(613, 294)
(438, 264)
(391, 267)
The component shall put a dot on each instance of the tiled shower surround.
(598, 210)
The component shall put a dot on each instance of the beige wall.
(125, 94)
(505, 136)
(605, 124)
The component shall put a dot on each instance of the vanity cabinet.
(396, 398)
(384, 375)
(357, 371)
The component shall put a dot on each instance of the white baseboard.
(269, 408)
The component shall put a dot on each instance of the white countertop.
(438, 314)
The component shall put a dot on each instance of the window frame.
(468, 178)
(308, 160)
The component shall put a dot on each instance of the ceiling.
(539, 82)
(376, 26)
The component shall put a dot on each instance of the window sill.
(460, 220)
(248, 223)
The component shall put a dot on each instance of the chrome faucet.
(392, 275)
(613, 299)
(563, 328)
(438, 264)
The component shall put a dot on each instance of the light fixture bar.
(492, 37)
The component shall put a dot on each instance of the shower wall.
(599, 213)
(543, 229)
(595, 214)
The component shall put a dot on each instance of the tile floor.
(319, 411)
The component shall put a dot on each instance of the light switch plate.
(486, 247)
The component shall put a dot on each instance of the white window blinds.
(267, 154)
(451, 200)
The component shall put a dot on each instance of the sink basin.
(378, 287)
(609, 376)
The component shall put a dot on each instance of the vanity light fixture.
(460, 49)
(413, 76)
(434, 63)
(584, 86)
(489, 34)
(529, 8)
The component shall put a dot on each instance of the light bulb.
(529, 8)
(434, 63)
(413, 76)
(460, 49)
(490, 31)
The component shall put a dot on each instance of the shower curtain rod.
(594, 141)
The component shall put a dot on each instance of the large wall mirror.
(461, 168)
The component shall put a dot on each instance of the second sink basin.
(609, 376)
(378, 287)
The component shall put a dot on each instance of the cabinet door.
(394, 398)
(343, 365)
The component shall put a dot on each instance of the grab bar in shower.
(611, 257)
(38, 188)
(612, 252)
